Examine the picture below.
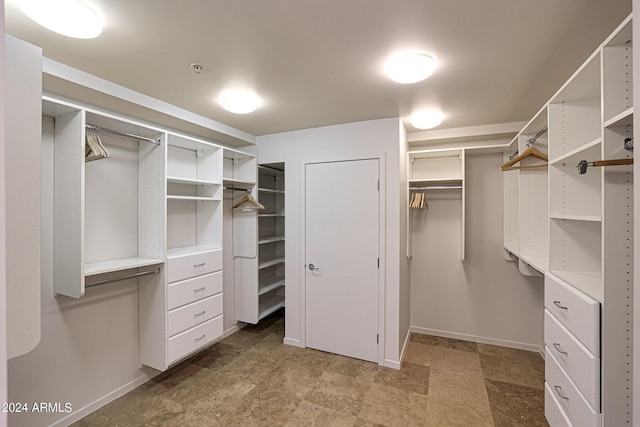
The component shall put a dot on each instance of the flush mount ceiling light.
(71, 18)
(426, 119)
(410, 67)
(239, 101)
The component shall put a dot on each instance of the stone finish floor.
(251, 379)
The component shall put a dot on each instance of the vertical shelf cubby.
(108, 212)
(533, 196)
(194, 196)
(260, 280)
(438, 172)
(575, 200)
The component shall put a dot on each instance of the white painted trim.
(393, 364)
(482, 340)
(471, 131)
(293, 342)
(94, 406)
(65, 72)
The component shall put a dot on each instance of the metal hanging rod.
(533, 139)
(247, 190)
(115, 132)
(583, 164)
(120, 278)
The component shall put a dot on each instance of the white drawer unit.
(579, 313)
(194, 289)
(194, 314)
(579, 364)
(180, 267)
(552, 410)
(194, 339)
(570, 400)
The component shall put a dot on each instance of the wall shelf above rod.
(115, 132)
(437, 187)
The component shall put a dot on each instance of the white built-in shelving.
(149, 213)
(108, 213)
(262, 289)
(437, 173)
(589, 222)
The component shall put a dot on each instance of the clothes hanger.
(251, 201)
(529, 152)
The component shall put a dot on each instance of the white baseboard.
(291, 341)
(94, 406)
(397, 364)
(483, 340)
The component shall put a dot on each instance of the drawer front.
(187, 266)
(572, 403)
(582, 367)
(579, 313)
(552, 409)
(193, 339)
(191, 290)
(194, 314)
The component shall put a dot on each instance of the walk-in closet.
(235, 213)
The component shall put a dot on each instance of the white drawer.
(193, 339)
(191, 290)
(186, 266)
(552, 410)
(582, 367)
(579, 313)
(572, 403)
(194, 314)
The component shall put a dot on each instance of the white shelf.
(623, 119)
(270, 262)
(188, 181)
(110, 266)
(592, 218)
(589, 283)
(270, 239)
(271, 305)
(190, 250)
(270, 287)
(194, 198)
(238, 183)
(576, 152)
(539, 263)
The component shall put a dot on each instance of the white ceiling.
(319, 62)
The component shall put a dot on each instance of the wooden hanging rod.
(583, 164)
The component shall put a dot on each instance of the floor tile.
(510, 365)
(411, 378)
(340, 392)
(516, 405)
(418, 353)
(393, 407)
(252, 379)
(309, 414)
(444, 342)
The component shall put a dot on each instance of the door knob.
(313, 267)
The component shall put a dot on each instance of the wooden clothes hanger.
(529, 152)
(250, 200)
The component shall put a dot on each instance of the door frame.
(382, 203)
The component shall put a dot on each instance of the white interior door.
(342, 227)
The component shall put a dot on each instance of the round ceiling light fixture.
(426, 119)
(410, 68)
(71, 18)
(239, 101)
